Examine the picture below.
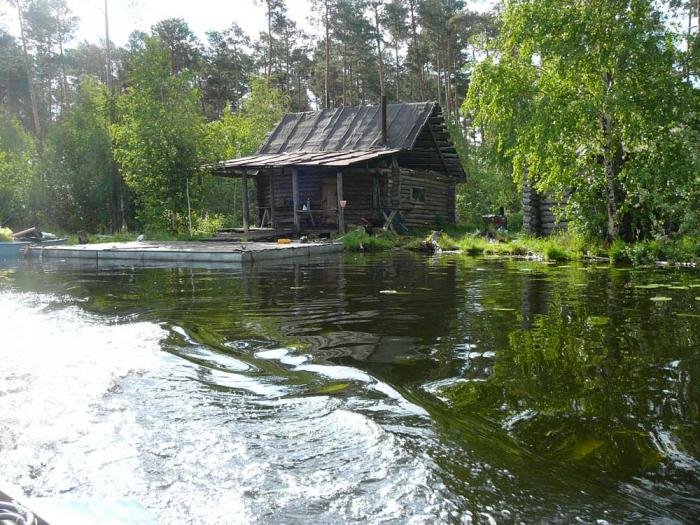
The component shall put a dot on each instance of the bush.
(686, 249)
(206, 225)
(618, 252)
(515, 222)
(5, 234)
(555, 252)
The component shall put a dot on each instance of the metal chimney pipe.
(385, 141)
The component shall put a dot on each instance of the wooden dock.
(186, 251)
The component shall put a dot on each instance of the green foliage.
(238, 134)
(488, 186)
(515, 222)
(77, 162)
(206, 225)
(584, 96)
(618, 252)
(159, 140)
(18, 159)
(685, 249)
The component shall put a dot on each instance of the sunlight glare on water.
(94, 408)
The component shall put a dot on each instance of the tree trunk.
(612, 158)
(117, 184)
(448, 76)
(345, 75)
(448, 109)
(414, 42)
(609, 165)
(28, 71)
(398, 91)
(269, 43)
(328, 58)
(439, 78)
(107, 50)
(378, 37)
(64, 76)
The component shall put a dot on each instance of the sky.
(126, 16)
(201, 15)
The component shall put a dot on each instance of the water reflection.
(477, 389)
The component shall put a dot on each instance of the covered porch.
(321, 192)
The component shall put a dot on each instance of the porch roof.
(336, 159)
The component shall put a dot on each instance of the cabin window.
(417, 194)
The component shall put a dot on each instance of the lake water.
(384, 389)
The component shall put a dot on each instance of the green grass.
(559, 248)
(361, 241)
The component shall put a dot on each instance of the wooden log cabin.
(389, 165)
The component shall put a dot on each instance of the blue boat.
(12, 249)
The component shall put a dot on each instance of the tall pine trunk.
(328, 58)
(345, 75)
(30, 76)
(64, 76)
(439, 78)
(418, 67)
(269, 42)
(398, 91)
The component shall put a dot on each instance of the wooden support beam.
(246, 211)
(376, 197)
(341, 210)
(272, 201)
(295, 198)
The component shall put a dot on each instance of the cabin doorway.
(329, 199)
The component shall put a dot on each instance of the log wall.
(439, 203)
(357, 191)
(394, 191)
(538, 213)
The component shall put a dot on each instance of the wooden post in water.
(244, 189)
(295, 197)
(341, 203)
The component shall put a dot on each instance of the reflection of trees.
(573, 387)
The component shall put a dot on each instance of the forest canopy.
(596, 101)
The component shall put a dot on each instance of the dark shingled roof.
(346, 136)
(349, 129)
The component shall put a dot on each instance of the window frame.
(421, 190)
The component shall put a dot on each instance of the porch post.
(295, 197)
(246, 215)
(341, 211)
(272, 198)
